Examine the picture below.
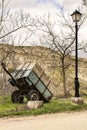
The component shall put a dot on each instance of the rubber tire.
(33, 95)
(16, 97)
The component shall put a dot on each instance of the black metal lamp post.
(76, 16)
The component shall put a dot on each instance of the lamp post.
(76, 16)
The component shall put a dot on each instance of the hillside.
(48, 60)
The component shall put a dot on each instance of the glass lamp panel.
(76, 17)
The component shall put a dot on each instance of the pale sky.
(45, 4)
(34, 3)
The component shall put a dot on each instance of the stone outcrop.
(34, 104)
(77, 100)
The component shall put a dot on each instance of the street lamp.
(76, 16)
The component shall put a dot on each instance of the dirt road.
(61, 121)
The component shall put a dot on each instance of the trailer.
(32, 82)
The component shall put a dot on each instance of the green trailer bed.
(31, 81)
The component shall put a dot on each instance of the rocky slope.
(48, 60)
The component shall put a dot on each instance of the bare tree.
(12, 25)
(62, 41)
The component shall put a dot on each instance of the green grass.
(7, 108)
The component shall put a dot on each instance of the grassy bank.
(7, 108)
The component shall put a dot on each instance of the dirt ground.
(61, 121)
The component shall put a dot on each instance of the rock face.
(77, 100)
(34, 104)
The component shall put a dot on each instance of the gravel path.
(61, 121)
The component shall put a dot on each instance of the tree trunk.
(64, 79)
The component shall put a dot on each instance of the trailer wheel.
(16, 97)
(33, 95)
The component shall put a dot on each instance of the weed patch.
(7, 108)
